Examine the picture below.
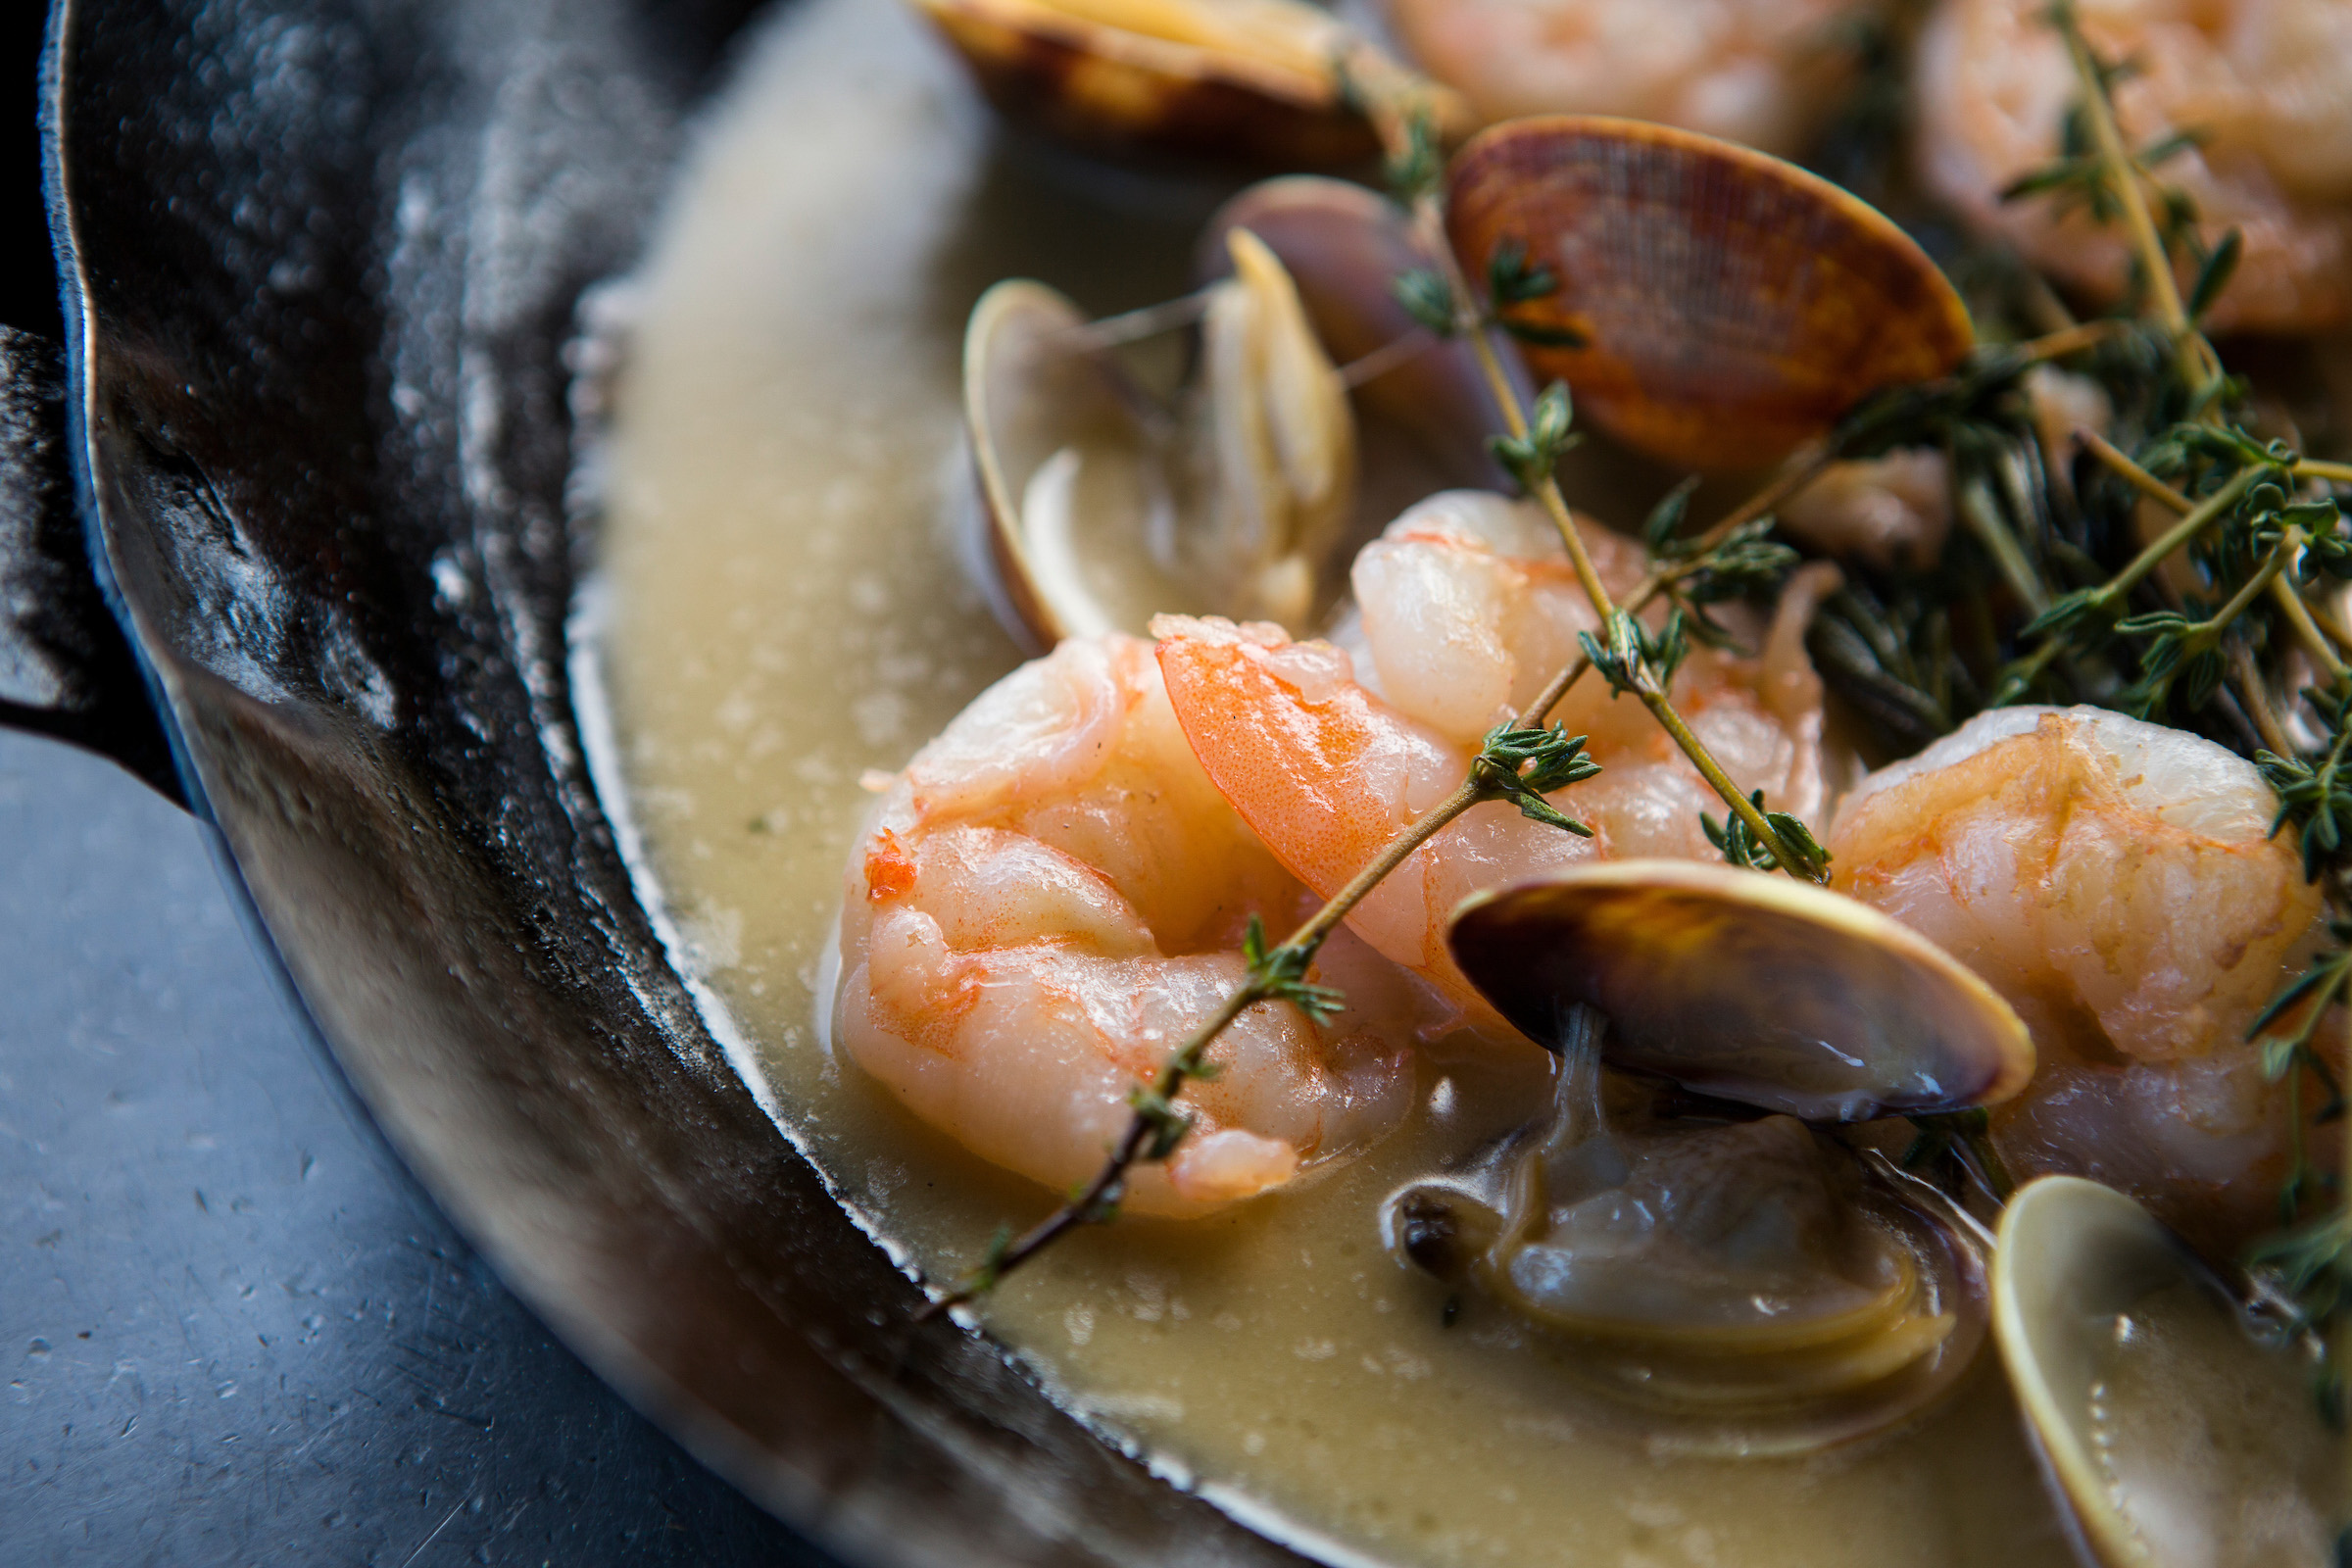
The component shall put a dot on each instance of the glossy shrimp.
(2266, 85)
(2118, 882)
(1050, 899)
(1467, 608)
(1757, 71)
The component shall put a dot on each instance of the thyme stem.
(2156, 489)
(1094, 1201)
(1796, 470)
(2140, 478)
(2325, 621)
(2307, 631)
(1394, 353)
(1425, 827)
(2193, 523)
(1471, 323)
(2124, 174)
(2121, 170)
(2253, 588)
(2300, 617)
(1146, 322)
(2066, 340)
(2247, 686)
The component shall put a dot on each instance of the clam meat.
(1745, 1280)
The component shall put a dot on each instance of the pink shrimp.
(1468, 607)
(2267, 83)
(1758, 71)
(1050, 897)
(2118, 882)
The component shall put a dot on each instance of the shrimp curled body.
(2117, 881)
(2264, 84)
(1467, 606)
(1050, 897)
(1757, 71)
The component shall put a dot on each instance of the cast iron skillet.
(292, 541)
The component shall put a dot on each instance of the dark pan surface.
(329, 254)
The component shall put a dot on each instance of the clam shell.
(1063, 532)
(1103, 508)
(1346, 246)
(2173, 1435)
(1748, 987)
(1730, 306)
(1177, 78)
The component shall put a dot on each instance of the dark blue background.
(231, 1329)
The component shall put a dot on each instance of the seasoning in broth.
(1376, 1254)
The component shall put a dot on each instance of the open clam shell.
(1104, 507)
(1748, 987)
(1259, 82)
(2172, 1433)
(1730, 306)
(1347, 246)
(1053, 421)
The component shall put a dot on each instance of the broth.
(787, 606)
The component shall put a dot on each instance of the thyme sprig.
(1634, 661)
(1522, 761)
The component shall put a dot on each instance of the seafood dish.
(1539, 780)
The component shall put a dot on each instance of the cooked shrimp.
(1887, 510)
(1467, 608)
(1050, 897)
(2118, 882)
(2267, 83)
(1757, 71)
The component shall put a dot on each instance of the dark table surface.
(234, 1330)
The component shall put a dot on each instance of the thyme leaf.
(1427, 300)
(1279, 974)
(1634, 661)
(1530, 456)
(1739, 847)
(1524, 763)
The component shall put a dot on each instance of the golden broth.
(786, 606)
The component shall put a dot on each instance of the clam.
(1272, 82)
(2175, 1434)
(1104, 507)
(1725, 305)
(1759, 989)
(1747, 1282)
(1423, 404)
(1746, 1276)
